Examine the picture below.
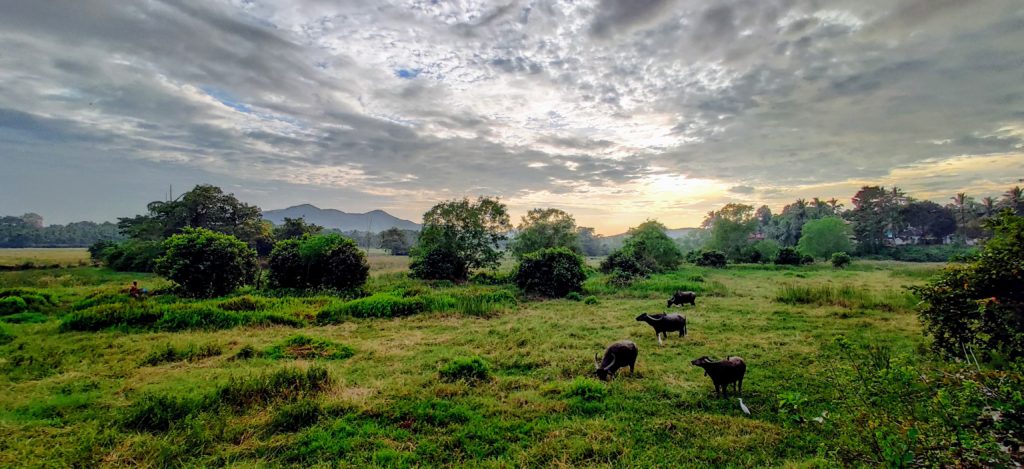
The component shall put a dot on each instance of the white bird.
(743, 407)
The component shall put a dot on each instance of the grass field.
(44, 256)
(405, 392)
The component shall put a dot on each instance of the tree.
(649, 242)
(551, 272)
(205, 263)
(589, 242)
(981, 304)
(1013, 199)
(205, 206)
(928, 221)
(821, 238)
(394, 241)
(545, 228)
(731, 228)
(766, 250)
(321, 261)
(296, 228)
(468, 230)
(873, 215)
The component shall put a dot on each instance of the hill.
(374, 221)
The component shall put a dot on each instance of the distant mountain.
(375, 221)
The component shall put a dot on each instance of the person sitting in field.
(135, 291)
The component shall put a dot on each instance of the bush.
(471, 369)
(552, 272)
(981, 304)
(806, 259)
(714, 259)
(490, 278)
(322, 261)
(168, 354)
(591, 300)
(12, 305)
(841, 260)
(788, 256)
(5, 337)
(286, 383)
(624, 265)
(439, 262)
(25, 318)
(109, 315)
(205, 263)
(34, 299)
(133, 255)
(381, 305)
(574, 296)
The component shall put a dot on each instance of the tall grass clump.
(245, 303)
(286, 383)
(12, 305)
(159, 412)
(296, 416)
(172, 317)
(25, 318)
(381, 305)
(168, 354)
(846, 296)
(5, 336)
(471, 369)
(301, 346)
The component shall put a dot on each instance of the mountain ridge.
(375, 220)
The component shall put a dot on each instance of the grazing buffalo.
(724, 372)
(681, 298)
(618, 355)
(665, 323)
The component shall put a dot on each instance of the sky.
(613, 110)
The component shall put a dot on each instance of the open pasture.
(262, 379)
(11, 257)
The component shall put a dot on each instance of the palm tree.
(835, 205)
(988, 205)
(960, 201)
(1014, 199)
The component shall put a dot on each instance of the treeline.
(881, 223)
(27, 231)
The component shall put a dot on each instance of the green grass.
(44, 256)
(478, 376)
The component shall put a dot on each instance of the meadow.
(471, 374)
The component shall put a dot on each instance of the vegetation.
(509, 387)
(459, 235)
(647, 250)
(28, 231)
(841, 260)
(205, 263)
(551, 272)
(395, 241)
(714, 259)
(823, 237)
(545, 229)
(327, 261)
(980, 305)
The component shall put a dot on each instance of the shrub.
(12, 305)
(591, 300)
(625, 265)
(490, 278)
(296, 416)
(133, 255)
(300, 346)
(714, 259)
(574, 296)
(806, 259)
(981, 304)
(205, 263)
(439, 262)
(841, 260)
(788, 256)
(321, 261)
(173, 317)
(381, 305)
(5, 337)
(471, 369)
(34, 299)
(552, 272)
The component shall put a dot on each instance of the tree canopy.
(467, 229)
(543, 228)
(821, 238)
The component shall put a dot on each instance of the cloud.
(404, 103)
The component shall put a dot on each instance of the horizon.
(613, 111)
